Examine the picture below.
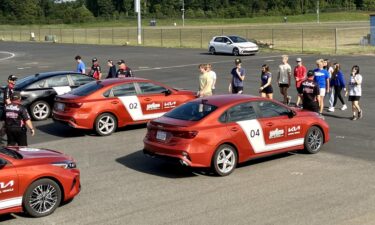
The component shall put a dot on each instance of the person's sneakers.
(344, 107)
(360, 114)
(354, 118)
(289, 98)
(331, 109)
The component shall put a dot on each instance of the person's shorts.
(284, 85)
(237, 90)
(299, 90)
(322, 92)
(353, 98)
(267, 90)
(313, 106)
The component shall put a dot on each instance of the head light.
(65, 164)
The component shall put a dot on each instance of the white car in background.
(233, 45)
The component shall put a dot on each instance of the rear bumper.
(81, 122)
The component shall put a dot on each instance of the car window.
(244, 111)
(191, 111)
(150, 88)
(124, 90)
(23, 82)
(38, 84)
(218, 39)
(225, 40)
(79, 80)
(237, 39)
(87, 89)
(271, 109)
(58, 81)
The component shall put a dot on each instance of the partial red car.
(224, 130)
(107, 104)
(35, 180)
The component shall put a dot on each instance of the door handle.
(114, 102)
(148, 99)
(270, 124)
(234, 129)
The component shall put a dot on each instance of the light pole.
(183, 13)
(138, 11)
(317, 10)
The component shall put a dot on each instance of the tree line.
(47, 11)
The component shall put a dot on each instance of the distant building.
(63, 1)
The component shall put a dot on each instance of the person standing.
(213, 76)
(123, 70)
(205, 81)
(337, 84)
(112, 70)
(238, 76)
(81, 67)
(327, 66)
(355, 92)
(95, 71)
(283, 79)
(17, 119)
(299, 75)
(321, 76)
(310, 90)
(7, 93)
(266, 89)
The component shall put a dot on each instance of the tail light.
(185, 134)
(73, 105)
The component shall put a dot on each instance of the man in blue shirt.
(321, 76)
(81, 68)
(238, 75)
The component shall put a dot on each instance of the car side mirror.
(167, 92)
(228, 43)
(291, 114)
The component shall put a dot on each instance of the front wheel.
(212, 51)
(236, 52)
(105, 124)
(40, 110)
(224, 160)
(314, 140)
(42, 198)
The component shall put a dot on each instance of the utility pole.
(183, 13)
(317, 11)
(137, 6)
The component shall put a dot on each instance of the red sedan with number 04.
(224, 130)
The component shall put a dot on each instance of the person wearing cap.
(123, 70)
(299, 75)
(112, 69)
(95, 70)
(238, 75)
(283, 78)
(310, 91)
(16, 120)
(81, 67)
(9, 89)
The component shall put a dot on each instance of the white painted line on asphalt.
(22, 68)
(11, 55)
(214, 62)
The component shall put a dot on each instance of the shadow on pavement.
(268, 158)
(141, 163)
(61, 130)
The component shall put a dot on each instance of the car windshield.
(87, 89)
(237, 39)
(10, 153)
(192, 111)
(23, 82)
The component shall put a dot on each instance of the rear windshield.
(23, 82)
(192, 111)
(87, 89)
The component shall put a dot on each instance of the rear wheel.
(236, 52)
(224, 160)
(314, 140)
(212, 50)
(40, 110)
(105, 124)
(42, 198)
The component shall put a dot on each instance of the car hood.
(34, 153)
(245, 44)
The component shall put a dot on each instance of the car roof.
(53, 73)
(111, 81)
(222, 100)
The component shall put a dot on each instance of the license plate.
(161, 135)
(60, 106)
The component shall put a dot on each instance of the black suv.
(38, 91)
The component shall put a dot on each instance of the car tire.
(40, 110)
(314, 140)
(224, 161)
(105, 124)
(236, 52)
(41, 198)
(212, 51)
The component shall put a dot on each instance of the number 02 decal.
(254, 133)
(133, 105)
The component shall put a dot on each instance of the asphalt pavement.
(121, 186)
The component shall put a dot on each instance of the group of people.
(312, 85)
(95, 70)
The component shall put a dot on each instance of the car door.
(9, 186)
(227, 45)
(77, 80)
(218, 44)
(280, 128)
(155, 99)
(241, 122)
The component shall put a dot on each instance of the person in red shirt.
(300, 75)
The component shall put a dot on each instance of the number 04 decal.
(133, 105)
(254, 133)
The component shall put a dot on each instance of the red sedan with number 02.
(35, 180)
(107, 104)
(224, 130)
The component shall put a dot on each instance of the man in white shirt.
(283, 79)
(213, 76)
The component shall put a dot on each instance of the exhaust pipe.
(183, 163)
